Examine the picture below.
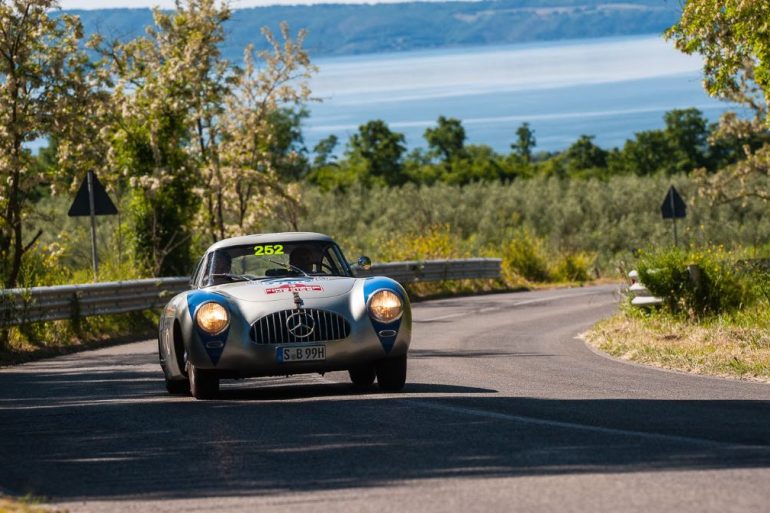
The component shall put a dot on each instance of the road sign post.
(92, 200)
(673, 207)
(92, 213)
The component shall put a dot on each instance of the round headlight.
(385, 306)
(212, 318)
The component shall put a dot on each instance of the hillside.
(354, 29)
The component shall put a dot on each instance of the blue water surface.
(609, 88)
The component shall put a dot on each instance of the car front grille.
(274, 328)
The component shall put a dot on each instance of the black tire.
(203, 383)
(391, 374)
(362, 376)
(180, 387)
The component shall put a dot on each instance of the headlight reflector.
(212, 318)
(385, 306)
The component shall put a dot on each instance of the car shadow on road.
(266, 389)
(106, 430)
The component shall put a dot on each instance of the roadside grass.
(734, 345)
(25, 505)
(47, 339)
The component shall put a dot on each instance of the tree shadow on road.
(108, 430)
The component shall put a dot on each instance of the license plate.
(300, 354)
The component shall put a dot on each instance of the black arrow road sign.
(92, 200)
(103, 205)
(673, 206)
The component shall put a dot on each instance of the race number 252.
(268, 249)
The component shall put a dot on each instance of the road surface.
(504, 410)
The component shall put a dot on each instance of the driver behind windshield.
(305, 259)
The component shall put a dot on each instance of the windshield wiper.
(289, 267)
(232, 277)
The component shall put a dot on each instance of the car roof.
(269, 238)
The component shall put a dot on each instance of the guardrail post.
(75, 317)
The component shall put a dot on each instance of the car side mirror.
(364, 263)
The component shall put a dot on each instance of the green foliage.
(435, 242)
(525, 142)
(698, 283)
(686, 144)
(324, 151)
(584, 158)
(525, 257)
(159, 242)
(574, 267)
(687, 133)
(607, 218)
(43, 70)
(447, 140)
(732, 37)
(286, 149)
(377, 154)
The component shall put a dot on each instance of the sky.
(108, 4)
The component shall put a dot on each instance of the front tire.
(391, 374)
(204, 384)
(362, 376)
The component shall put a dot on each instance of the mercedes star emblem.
(300, 324)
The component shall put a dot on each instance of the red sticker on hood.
(295, 287)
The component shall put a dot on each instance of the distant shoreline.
(363, 29)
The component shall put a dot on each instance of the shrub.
(436, 242)
(573, 267)
(525, 256)
(698, 282)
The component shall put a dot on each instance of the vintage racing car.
(280, 304)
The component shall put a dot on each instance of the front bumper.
(242, 357)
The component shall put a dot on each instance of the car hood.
(314, 287)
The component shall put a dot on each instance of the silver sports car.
(280, 304)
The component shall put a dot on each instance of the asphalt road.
(504, 410)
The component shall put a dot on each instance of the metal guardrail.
(36, 304)
(641, 297)
(412, 271)
(20, 306)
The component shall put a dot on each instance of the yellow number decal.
(268, 249)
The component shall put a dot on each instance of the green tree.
(379, 152)
(687, 133)
(324, 151)
(45, 84)
(734, 40)
(585, 158)
(648, 153)
(286, 147)
(447, 140)
(169, 92)
(525, 142)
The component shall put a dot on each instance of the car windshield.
(274, 260)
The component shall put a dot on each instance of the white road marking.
(570, 425)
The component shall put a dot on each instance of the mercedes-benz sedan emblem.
(300, 324)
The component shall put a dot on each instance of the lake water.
(609, 88)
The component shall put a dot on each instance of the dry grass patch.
(737, 347)
(8, 505)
